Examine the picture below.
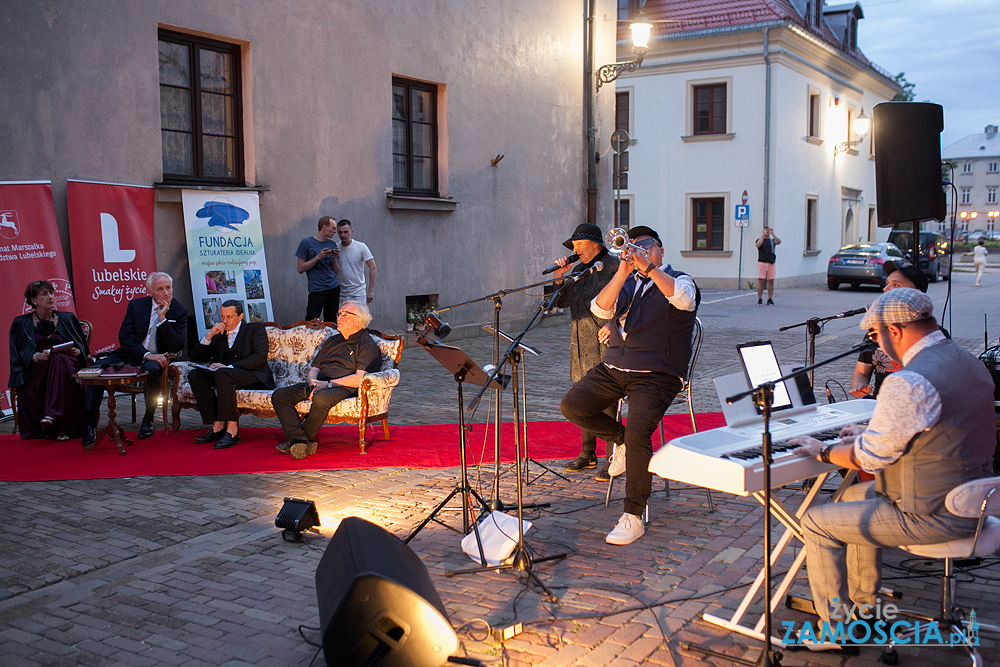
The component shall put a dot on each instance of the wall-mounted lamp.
(861, 126)
(641, 28)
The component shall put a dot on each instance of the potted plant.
(413, 319)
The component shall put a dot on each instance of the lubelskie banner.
(226, 255)
(30, 250)
(114, 251)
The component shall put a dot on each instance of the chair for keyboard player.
(697, 334)
(978, 499)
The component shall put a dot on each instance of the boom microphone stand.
(813, 326)
(763, 396)
(521, 560)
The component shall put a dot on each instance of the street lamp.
(861, 126)
(641, 28)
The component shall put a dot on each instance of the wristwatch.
(824, 453)
(648, 269)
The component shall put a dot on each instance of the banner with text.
(114, 251)
(30, 250)
(226, 254)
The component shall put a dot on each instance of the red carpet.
(433, 446)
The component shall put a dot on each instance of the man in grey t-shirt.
(317, 258)
(355, 260)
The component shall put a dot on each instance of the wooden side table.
(109, 382)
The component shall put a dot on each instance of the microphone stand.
(763, 397)
(521, 559)
(814, 325)
(496, 504)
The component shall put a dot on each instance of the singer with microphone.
(652, 310)
(585, 350)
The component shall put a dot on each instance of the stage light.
(295, 516)
(436, 326)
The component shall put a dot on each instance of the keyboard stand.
(791, 521)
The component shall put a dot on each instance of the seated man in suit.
(336, 374)
(154, 326)
(237, 359)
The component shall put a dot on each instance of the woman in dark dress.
(49, 400)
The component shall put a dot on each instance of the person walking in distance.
(316, 257)
(978, 253)
(355, 260)
(765, 264)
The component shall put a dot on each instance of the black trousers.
(326, 302)
(649, 395)
(215, 392)
(296, 429)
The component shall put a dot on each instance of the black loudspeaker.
(907, 138)
(377, 605)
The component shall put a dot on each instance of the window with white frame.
(991, 168)
(812, 222)
(967, 168)
(624, 212)
(991, 195)
(966, 196)
(623, 111)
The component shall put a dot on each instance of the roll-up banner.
(226, 255)
(114, 251)
(30, 250)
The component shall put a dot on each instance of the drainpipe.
(767, 130)
(590, 101)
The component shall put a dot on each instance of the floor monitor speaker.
(377, 605)
(907, 138)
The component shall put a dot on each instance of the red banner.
(30, 250)
(111, 229)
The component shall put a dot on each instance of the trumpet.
(619, 243)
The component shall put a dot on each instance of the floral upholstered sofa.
(290, 355)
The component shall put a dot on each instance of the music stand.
(463, 369)
(524, 410)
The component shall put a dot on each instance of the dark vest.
(765, 253)
(659, 337)
(959, 447)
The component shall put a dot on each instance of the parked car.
(934, 260)
(975, 235)
(961, 235)
(861, 264)
(992, 235)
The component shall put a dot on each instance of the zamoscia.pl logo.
(877, 625)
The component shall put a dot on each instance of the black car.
(935, 260)
(861, 263)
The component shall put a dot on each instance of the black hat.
(912, 273)
(642, 230)
(585, 232)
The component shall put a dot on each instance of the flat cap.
(898, 306)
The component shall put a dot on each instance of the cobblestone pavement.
(192, 571)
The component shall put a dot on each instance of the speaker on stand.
(907, 138)
(377, 604)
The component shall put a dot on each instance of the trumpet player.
(585, 349)
(651, 308)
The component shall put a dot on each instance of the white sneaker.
(628, 530)
(617, 466)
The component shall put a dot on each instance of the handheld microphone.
(598, 266)
(856, 311)
(569, 260)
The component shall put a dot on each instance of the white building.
(975, 161)
(751, 102)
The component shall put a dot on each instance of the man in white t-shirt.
(355, 258)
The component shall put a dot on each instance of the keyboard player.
(932, 430)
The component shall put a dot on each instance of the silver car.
(861, 264)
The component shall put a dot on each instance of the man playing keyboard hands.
(932, 430)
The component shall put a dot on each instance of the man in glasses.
(336, 374)
(932, 430)
(652, 309)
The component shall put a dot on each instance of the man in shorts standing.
(765, 264)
